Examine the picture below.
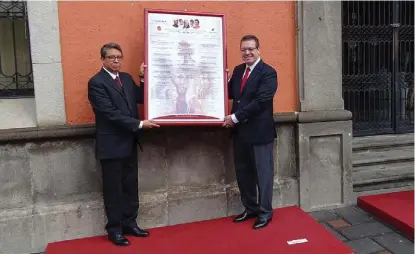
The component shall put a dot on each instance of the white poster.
(185, 68)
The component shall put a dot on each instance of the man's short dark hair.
(108, 46)
(250, 37)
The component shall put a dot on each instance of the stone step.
(376, 186)
(382, 156)
(383, 162)
(382, 141)
(375, 174)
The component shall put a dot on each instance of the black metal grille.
(378, 65)
(16, 79)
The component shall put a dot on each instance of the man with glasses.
(252, 88)
(114, 97)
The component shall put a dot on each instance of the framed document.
(185, 78)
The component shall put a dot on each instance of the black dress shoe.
(118, 239)
(261, 223)
(135, 231)
(243, 217)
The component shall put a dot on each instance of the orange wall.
(86, 26)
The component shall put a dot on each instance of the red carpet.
(221, 236)
(395, 209)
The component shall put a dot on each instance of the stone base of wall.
(50, 181)
(51, 188)
(29, 229)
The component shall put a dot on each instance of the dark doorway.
(378, 65)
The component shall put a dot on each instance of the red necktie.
(118, 81)
(245, 78)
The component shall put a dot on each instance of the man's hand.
(142, 67)
(228, 123)
(148, 124)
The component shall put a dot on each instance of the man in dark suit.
(114, 96)
(252, 88)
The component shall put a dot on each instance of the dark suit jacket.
(116, 114)
(253, 107)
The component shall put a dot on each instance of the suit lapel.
(109, 81)
(127, 90)
(252, 76)
(238, 80)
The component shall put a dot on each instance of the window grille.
(16, 78)
(378, 65)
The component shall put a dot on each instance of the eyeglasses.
(112, 58)
(249, 49)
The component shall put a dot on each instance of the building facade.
(50, 180)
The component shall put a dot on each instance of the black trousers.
(120, 188)
(254, 165)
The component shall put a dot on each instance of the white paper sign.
(297, 241)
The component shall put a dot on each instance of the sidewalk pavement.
(362, 232)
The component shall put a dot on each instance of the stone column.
(46, 61)
(324, 127)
